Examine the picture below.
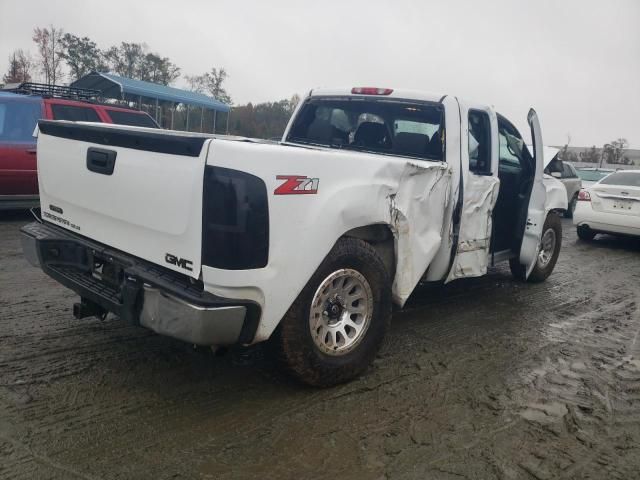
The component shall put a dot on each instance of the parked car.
(306, 243)
(567, 174)
(612, 205)
(590, 176)
(18, 117)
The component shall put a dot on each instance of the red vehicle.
(19, 114)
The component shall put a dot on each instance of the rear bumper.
(142, 293)
(606, 222)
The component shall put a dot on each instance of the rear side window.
(18, 121)
(625, 179)
(134, 119)
(74, 113)
(413, 129)
(479, 142)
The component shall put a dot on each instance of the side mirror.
(556, 174)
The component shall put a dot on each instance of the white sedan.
(611, 205)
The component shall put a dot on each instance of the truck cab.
(498, 183)
(306, 243)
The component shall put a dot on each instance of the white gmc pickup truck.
(308, 242)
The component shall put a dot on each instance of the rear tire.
(549, 249)
(585, 233)
(571, 207)
(319, 340)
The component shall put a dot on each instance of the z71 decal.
(297, 185)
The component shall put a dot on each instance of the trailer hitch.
(87, 308)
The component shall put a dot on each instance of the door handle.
(101, 161)
(31, 151)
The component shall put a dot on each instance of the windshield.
(626, 179)
(18, 120)
(414, 129)
(592, 175)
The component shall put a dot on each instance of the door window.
(479, 142)
(74, 114)
(135, 119)
(568, 171)
(18, 121)
(510, 156)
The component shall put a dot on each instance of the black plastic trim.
(100, 160)
(235, 220)
(158, 142)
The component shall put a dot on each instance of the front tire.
(337, 324)
(548, 251)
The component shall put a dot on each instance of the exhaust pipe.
(87, 308)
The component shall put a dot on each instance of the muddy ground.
(487, 378)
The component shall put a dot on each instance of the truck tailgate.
(137, 190)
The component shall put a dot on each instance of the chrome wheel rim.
(547, 247)
(341, 312)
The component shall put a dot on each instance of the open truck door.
(478, 190)
(530, 247)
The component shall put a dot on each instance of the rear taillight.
(371, 91)
(584, 196)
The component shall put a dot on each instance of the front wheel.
(337, 324)
(548, 251)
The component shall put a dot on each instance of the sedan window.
(626, 179)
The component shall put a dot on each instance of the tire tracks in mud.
(583, 401)
(486, 378)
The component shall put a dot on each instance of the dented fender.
(353, 190)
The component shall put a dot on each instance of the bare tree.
(212, 83)
(613, 152)
(49, 44)
(197, 83)
(20, 66)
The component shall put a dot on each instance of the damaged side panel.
(481, 193)
(417, 216)
(353, 190)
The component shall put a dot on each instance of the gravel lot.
(486, 378)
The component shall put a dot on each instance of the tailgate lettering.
(179, 262)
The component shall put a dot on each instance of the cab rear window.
(134, 119)
(413, 129)
(18, 121)
(74, 114)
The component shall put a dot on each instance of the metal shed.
(156, 97)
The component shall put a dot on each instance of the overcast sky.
(576, 62)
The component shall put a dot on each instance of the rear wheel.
(572, 206)
(585, 233)
(337, 324)
(548, 251)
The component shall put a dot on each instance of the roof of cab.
(396, 93)
(21, 98)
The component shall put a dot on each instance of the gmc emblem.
(179, 262)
